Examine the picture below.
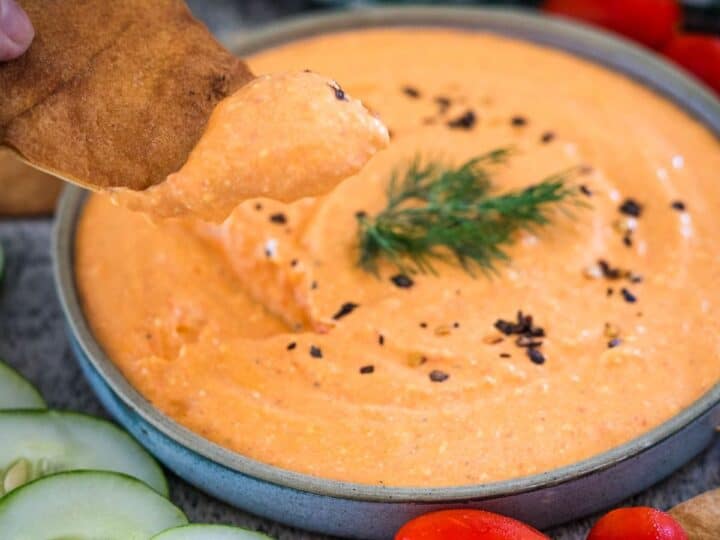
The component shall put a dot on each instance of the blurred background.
(685, 31)
(220, 15)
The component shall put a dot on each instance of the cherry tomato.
(639, 523)
(699, 54)
(467, 525)
(650, 22)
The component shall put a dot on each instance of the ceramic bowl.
(370, 511)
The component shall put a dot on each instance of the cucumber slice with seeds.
(38, 443)
(16, 392)
(209, 532)
(86, 505)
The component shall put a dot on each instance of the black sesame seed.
(535, 356)
(315, 352)
(381, 340)
(630, 207)
(346, 309)
(403, 281)
(438, 376)
(339, 92)
(628, 296)
(547, 137)
(518, 121)
(466, 121)
(278, 218)
(585, 190)
(679, 206)
(367, 370)
(291, 346)
(411, 91)
(614, 343)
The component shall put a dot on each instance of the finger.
(16, 31)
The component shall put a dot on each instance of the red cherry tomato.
(639, 523)
(467, 525)
(699, 54)
(650, 22)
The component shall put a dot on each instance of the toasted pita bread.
(23, 190)
(113, 94)
(700, 516)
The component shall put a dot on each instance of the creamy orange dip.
(283, 136)
(233, 330)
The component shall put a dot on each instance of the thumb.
(16, 31)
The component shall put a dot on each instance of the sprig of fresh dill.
(439, 213)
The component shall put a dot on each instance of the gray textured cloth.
(32, 333)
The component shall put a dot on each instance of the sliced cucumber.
(38, 443)
(209, 532)
(16, 392)
(86, 505)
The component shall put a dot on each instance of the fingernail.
(15, 24)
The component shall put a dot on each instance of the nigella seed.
(443, 102)
(339, 92)
(381, 340)
(536, 357)
(315, 352)
(438, 376)
(547, 137)
(346, 309)
(279, 218)
(466, 121)
(518, 121)
(506, 327)
(679, 206)
(403, 281)
(291, 346)
(367, 370)
(614, 343)
(630, 207)
(585, 190)
(411, 91)
(628, 296)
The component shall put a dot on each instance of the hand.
(16, 31)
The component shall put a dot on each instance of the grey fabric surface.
(32, 333)
(32, 339)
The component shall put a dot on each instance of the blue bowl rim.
(591, 44)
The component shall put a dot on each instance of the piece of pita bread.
(25, 191)
(113, 93)
(700, 516)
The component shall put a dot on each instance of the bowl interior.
(596, 46)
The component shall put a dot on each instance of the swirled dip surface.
(263, 335)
